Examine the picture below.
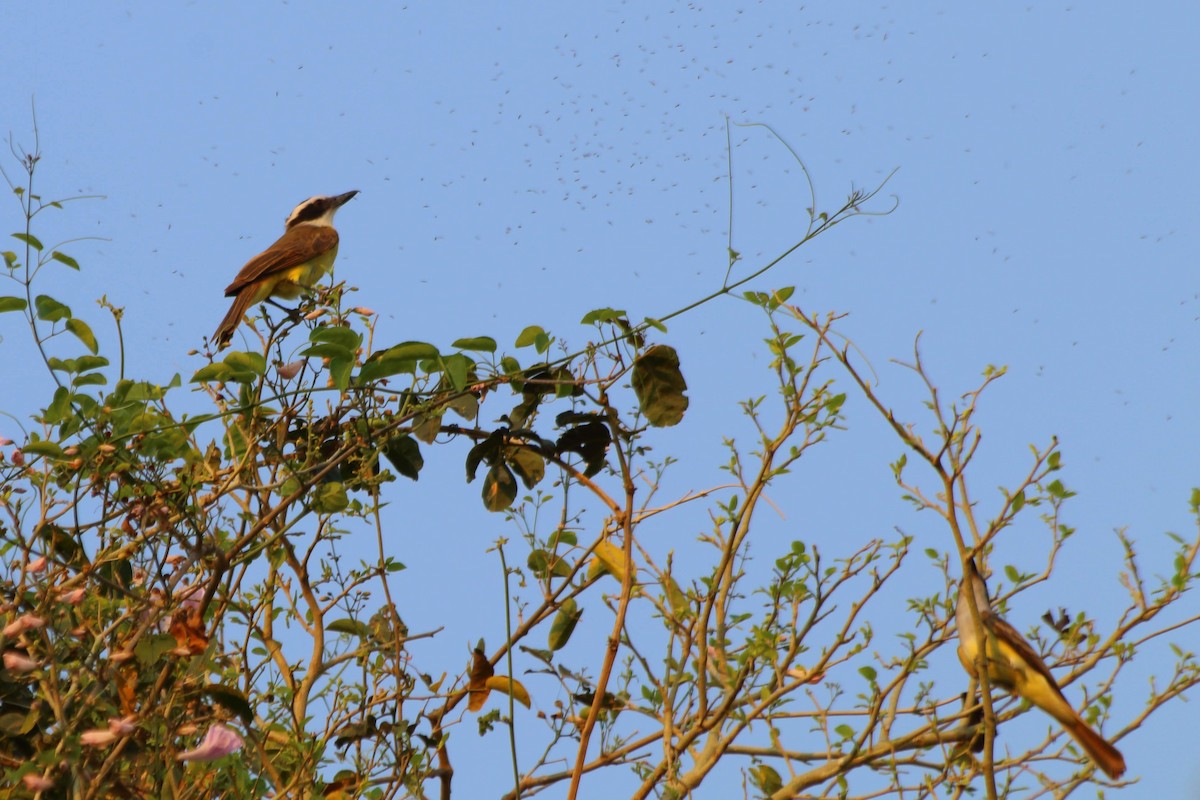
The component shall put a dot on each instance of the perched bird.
(295, 262)
(1013, 665)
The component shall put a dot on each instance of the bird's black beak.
(342, 199)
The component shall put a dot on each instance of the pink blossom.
(23, 623)
(37, 565)
(218, 741)
(37, 783)
(122, 726)
(118, 727)
(19, 662)
(73, 596)
(290, 370)
(97, 737)
(18, 458)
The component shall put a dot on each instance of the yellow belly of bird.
(291, 283)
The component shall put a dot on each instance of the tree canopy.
(181, 617)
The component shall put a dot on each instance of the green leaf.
(766, 779)
(152, 647)
(530, 466)
(601, 315)
(660, 386)
(412, 350)
(329, 498)
(868, 672)
(49, 309)
(844, 731)
(781, 296)
(42, 448)
(676, 597)
(59, 408)
(478, 344)
(330, 350)
(345, 338)
(231, 699)
(394, 360)
(1194, 502)
(94, 379)
(403, 453)
(457, 368)
(212, 373)
(83, 333)
(530, 335)
(63, 258)
(1018, 501)
(339, 372)
(564, 624)
(499, 488)
(488, 450)
(13, 304)
(28, 239)
(465, 405)
(350, 626)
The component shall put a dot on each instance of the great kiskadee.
(295, 262)
(1012, 664)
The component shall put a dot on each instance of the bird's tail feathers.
(228, 325)
(1098, 749)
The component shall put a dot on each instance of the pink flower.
(37, 783)
(23, 623)
(290, 370)
(18, 458)
(73, 596)
(117, 728)
(19, 662)
(219, 741)
(97, 737)
(123, 726)
(37, 565)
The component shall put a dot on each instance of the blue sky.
(522, 164)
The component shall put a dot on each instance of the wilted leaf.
(477, 688)
(590, 440)
(660, 386)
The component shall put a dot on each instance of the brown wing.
(298, 245)
(1017, 642)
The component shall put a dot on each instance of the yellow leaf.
(613, 559)
(503, 683)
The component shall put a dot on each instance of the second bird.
(292, 265)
